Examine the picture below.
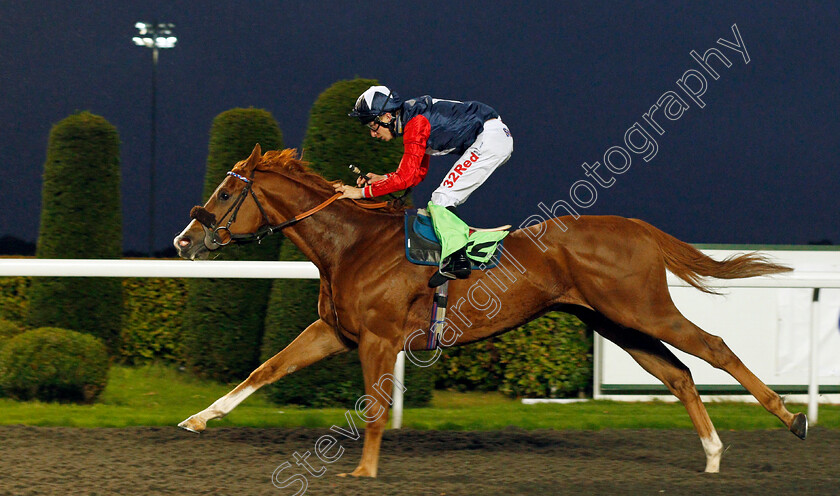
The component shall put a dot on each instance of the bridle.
(208, 220)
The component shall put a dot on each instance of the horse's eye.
(224, 196)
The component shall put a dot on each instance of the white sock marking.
(714, 450)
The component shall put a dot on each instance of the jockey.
(430, 126)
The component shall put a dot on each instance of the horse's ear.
(254, 159)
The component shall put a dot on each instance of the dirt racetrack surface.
(240, 461)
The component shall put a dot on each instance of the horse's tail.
(691, 265)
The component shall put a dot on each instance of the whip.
(358, 172)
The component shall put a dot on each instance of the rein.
(208, 220)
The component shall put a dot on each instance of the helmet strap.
(392, 125)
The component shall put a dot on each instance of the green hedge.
(154, 319)
(154, 313)
(14, 298)
(52, 364)
(550, 357)
(8, 330)
(223, 322)
(80, 218)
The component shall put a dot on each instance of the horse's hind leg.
(316, 342)
(665, 322)
(658, 360)
(683, 334)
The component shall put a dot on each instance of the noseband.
(208, 219)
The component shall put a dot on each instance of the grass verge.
(154, 395)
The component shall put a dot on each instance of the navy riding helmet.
(374, 102)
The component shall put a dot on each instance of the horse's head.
(233, 211)
(242, 209)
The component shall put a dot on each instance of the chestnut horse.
(609, 271)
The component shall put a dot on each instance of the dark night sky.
(758, 164)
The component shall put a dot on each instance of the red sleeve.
(414, 164)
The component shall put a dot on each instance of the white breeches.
(491, 149)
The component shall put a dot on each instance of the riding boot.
(457, 266)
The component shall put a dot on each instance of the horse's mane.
(290, 162)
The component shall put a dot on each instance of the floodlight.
(155, 36)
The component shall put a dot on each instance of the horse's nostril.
(184, 242)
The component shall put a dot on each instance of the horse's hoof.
(182, 426)
(359, 472)
(799, 426)
(192, 425)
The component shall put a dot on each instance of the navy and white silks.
(437, 127)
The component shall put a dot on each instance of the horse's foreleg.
(316, 342)
(377, 355)
(661, 363)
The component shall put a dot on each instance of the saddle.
(422, 246)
